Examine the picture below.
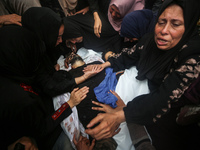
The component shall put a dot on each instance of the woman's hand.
(107, 108)
(103, 107)
(83, 11)
(97, 24)
(98, 68)
(91, 72)
(77, 95)
(120, 102)
(108, 127)
(10, 19)
(83, 143)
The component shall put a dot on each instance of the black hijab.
(44, 22)
(155, 63)
(20, 53)
(74, 29)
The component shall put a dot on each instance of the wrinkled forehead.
(174, 12)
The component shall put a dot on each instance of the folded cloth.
(102, 91)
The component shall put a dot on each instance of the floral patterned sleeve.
(126, 59)
(146, 109)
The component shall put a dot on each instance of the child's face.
(109, 54)
(68, 59)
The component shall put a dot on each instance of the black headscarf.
(20, 53)
(72, 29)
(75, 28)
(155, 62)
(44, 22)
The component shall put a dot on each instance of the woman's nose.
(166, 29)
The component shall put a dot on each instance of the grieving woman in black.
(96, 37)
(23, 111)
(79, 35)
(169, 59)
(49, 28)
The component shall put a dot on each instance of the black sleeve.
(146, 109)
(53, 82)
(93, 5)
(127, 58)
(24, 113)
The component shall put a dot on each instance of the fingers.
(78, 12)
(17, 23)
(92, 144)
(94, 121)
(100, 28)
(84, 90)
(101, 131)
(97, 33)
(117, 131)
(97, 103)
(74, 90)
(114, 93)
(98, 108)
(77, 95)
(97, 68)
(74, 140)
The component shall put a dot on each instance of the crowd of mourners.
(159, 37)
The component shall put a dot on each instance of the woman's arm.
(146, 109)
(94, 8)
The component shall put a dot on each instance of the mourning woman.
(23, 111)
(169, 59)
(119, 9)
(136, 24)
(49, 28)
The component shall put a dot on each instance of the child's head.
(107, 54)
(75, 60)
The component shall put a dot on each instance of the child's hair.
(105, 144)
(75, 59)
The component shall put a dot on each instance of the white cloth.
(88, 55)
(127, 88)
(70, 125)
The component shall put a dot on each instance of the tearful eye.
(160, 23)
(176, 25)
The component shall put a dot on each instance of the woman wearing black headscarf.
(49, 28)
(23, 112)
(75, 30)
(169, 59)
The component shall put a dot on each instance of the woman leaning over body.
(169, 60)
(23, 112)
(49, 28)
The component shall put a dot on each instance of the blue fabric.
(102, 91)
(137, 23)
